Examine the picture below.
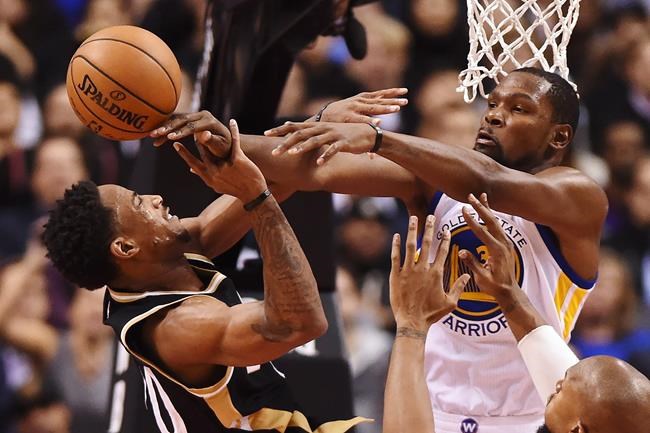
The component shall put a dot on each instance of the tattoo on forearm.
(290, 291)
(410, 333)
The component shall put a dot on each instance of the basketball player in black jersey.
(205, 356)
(596, 395)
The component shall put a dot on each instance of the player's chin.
(490, 151)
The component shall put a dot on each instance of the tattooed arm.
(291, 300)
(202, 331)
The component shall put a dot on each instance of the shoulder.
(577, 186)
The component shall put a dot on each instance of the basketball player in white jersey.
(552, 214)
(598, 394)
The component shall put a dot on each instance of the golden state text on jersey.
(477, 313)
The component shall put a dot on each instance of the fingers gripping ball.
(123, 82)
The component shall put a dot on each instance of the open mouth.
(168, 216)
(485, 139)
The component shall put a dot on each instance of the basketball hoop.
(510, 34)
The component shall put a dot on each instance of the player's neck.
(163, 278)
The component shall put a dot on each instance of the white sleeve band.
(547, 358)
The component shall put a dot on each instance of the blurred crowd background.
(55, 354)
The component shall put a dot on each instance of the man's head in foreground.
(600, 394)
(111, 235)
(530, 120)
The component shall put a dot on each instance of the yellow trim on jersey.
(568, 300)
(570, 316)
(224, 409)
(123, 297)
(477, 296)
(562, 288)
(198, 257)
(270, 419)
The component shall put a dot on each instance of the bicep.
(204, 331)
(561, 198)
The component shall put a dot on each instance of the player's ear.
(124, 248)
(562, 135)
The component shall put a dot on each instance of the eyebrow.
(516, 95)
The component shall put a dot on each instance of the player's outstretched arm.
(418, 300)
(204, 330)
(546, 355)
(352, 174)
(457, 172)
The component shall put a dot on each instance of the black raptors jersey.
(250, 398)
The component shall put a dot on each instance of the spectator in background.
(82, 365)
(41, 44)
(108, 161)
(363, 230)
(28, 341)
(14, 174)
(444, 115)
(440, 34)
(100, 14)
(637, 65)
(388, 51)
(608, 323)
(58, 163)
(43, 413)
(368, 346)
(633, 240)
(624, 144)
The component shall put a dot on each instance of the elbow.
(317, 327)
(320, 326)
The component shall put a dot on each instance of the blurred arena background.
(59, 364)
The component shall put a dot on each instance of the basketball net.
(509, 34)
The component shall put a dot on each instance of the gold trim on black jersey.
(205, 392)
(217, 278)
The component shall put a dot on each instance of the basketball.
(123, 82)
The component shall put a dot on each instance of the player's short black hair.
(543, 429)
(565, 102)
(78, 236)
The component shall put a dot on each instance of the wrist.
(420, 325)
(252, 192)
(253, 204)
(377, 139)
(411, 333)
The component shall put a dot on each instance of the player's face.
(146, 220)
(517, 127)
(564, 406)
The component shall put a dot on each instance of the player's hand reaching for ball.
(417, 294)
(333, 137)
(361, 107)
(238, 176)
(496, 275)
(206, 129)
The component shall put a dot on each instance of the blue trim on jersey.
(553, 245)
(431, 210)
(434, 202)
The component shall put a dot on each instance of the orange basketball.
(123, 82)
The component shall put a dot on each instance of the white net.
(508, 34)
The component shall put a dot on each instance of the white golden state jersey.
(472, 364)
